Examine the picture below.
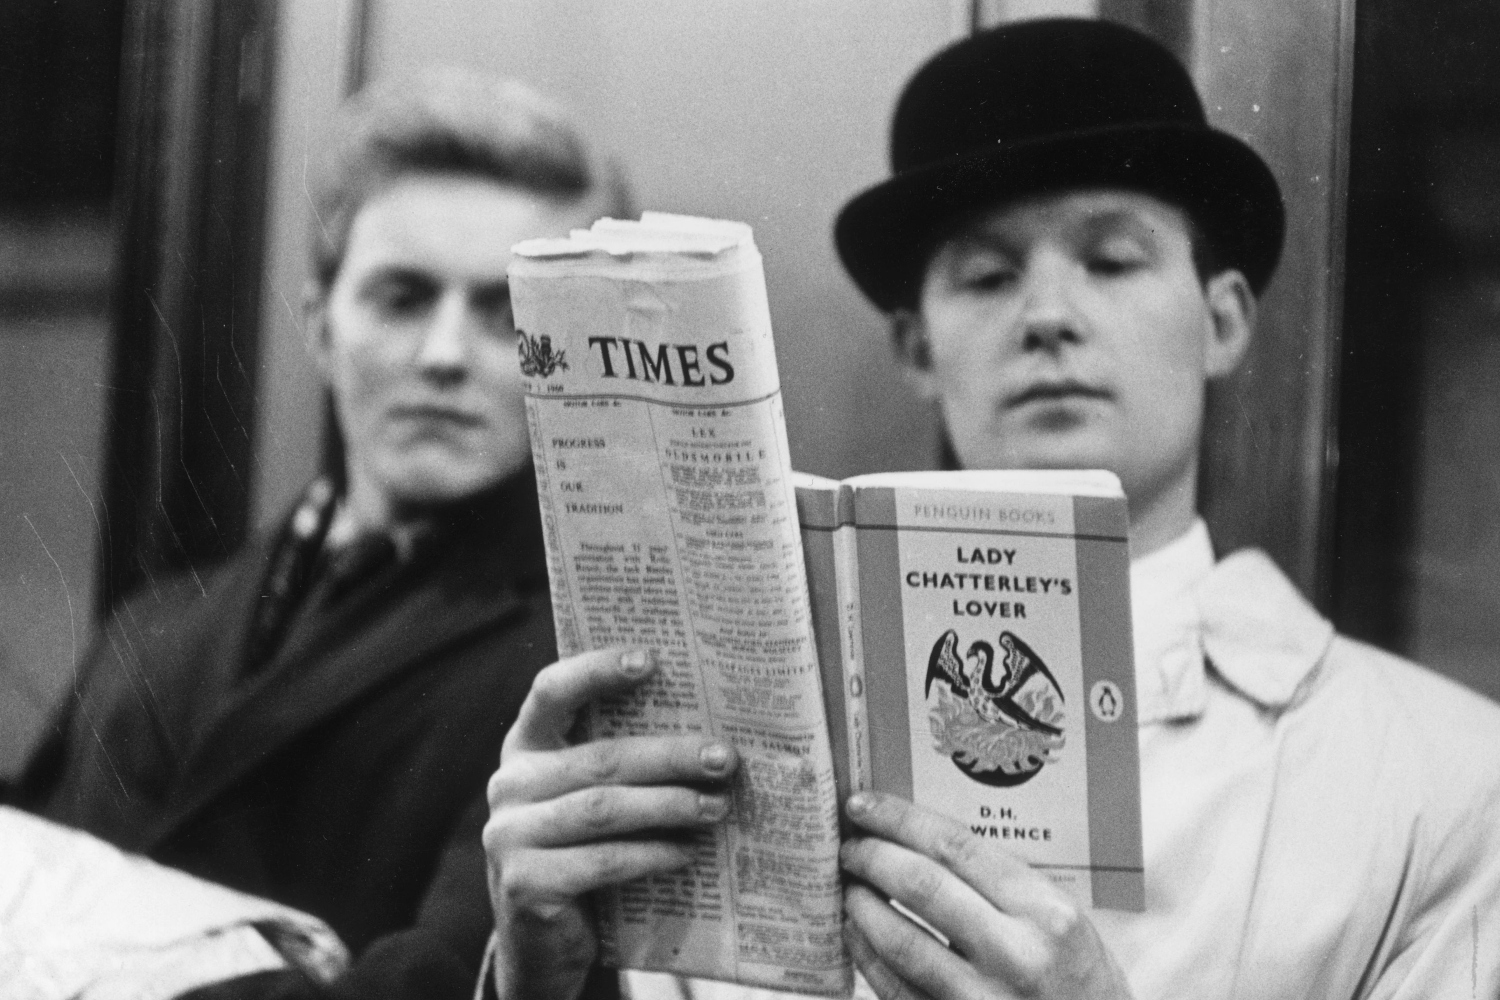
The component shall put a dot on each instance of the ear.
(913, 351)
(315, 329)
(1231, 307)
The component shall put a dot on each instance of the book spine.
(851, 644)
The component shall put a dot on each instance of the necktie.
(290, 573)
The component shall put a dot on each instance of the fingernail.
(635, 662)
(859, 804)
(713, 806)
(714, 757)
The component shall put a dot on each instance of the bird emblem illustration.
(999, 720)
(537, 357)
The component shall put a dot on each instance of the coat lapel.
(207, 674)
(305, 686)
(468, 587)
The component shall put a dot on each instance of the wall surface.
(1278, 73)
(52, 368)
(767, 111)
(1455, 558)
(314, 41)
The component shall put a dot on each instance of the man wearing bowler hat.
(1069, 254)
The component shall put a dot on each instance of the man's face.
(417, 342)
(1072, 331)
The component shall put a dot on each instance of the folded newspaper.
(670, 514)
(81, 920)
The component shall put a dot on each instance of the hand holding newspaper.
(670, 521)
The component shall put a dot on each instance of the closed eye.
(984, 271)
(1110, 266)
(988, 281)
(1116, 255)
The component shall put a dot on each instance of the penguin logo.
(1106, 701)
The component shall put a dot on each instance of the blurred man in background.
(314, 724)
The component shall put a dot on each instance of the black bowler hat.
(1038, 106)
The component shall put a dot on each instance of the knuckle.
(518, 891)
(956, 847)
(599, 764)
(523, 891)
(596, 808)
(926, 887)
(1028, 981)
(1036, 964)
(497, 791)
(1063, 922)
(493, 839)
(906, 952)
(549, 687)
(498, 835)
(1028, 974)
(613, 868)
(507, 785)
(550, 912)
(855, 855)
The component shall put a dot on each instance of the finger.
(978, 930)
(998, 875)
(610, 812)
(886, 984)
(540, 881)
(629, 760)
(913, 957)
(561, 690)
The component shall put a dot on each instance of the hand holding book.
(1012, 932)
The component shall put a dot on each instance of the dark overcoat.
(346, 777)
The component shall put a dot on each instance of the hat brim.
(886, 234)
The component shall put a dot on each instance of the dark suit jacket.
(347, 778)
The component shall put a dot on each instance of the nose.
(1048, 317)
(443, 354)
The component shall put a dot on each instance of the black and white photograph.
(749, 500)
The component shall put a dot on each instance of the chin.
(423, 484)
(1079, 450)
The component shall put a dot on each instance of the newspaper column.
(670, 520)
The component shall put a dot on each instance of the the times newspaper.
(670, 521)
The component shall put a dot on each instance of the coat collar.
(1169, 676)
(1259, 632)
(1241, 618)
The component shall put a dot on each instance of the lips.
(1058, 391)
(436, 414)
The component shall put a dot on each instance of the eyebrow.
(1108, 222)
(400, 274)
(397, 274)
(1093, 224)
